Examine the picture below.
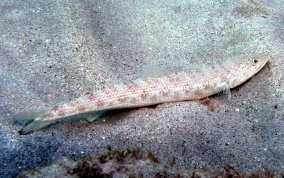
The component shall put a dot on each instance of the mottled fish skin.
(192, 85)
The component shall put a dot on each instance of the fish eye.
(255, 61)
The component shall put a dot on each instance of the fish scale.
(191, 85)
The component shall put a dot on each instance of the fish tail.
(34, 125)
(35, 119)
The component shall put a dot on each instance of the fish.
(179, 86)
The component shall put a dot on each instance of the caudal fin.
(36, 121)
(33, 126)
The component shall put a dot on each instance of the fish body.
(186, 85)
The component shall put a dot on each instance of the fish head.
(246, 69)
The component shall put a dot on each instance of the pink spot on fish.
(144, 94)
(100, 102)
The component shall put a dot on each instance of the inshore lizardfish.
(187, 85)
